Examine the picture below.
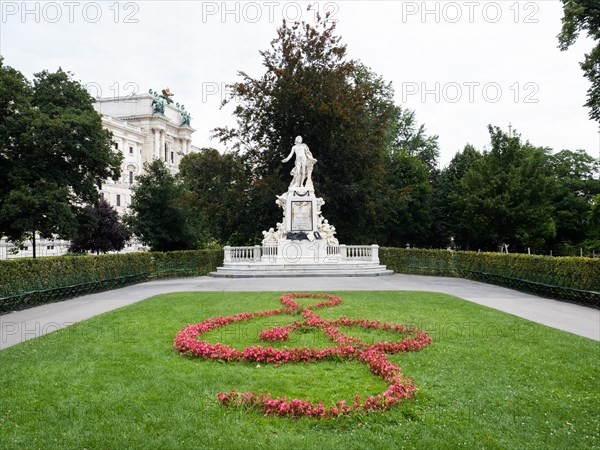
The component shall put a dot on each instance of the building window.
(166, 151)
(118, 200)
(172, 157)
(25, 248)
(101, 195)
(130, 150)
(116, 146)
(50, 247)
(130, 177)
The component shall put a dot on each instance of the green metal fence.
(31, 283)
(569, 279)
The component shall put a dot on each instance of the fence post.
(227, 256)
(375, 253)
(257, 252)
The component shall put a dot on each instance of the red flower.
(349, 347)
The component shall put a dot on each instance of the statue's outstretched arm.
(289, 156)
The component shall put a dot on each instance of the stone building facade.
(144, 127)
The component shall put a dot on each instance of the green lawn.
(489, 380)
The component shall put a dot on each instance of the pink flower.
(348, 347)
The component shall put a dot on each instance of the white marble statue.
(302, 172)
(320, 203)
(281, 233)
(281, 201)
(270, 238)
(327, 232)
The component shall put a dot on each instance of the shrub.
(566, 278)
(27, 282)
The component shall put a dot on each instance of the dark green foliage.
(595, 216)
(54, 153)
(593, 243)
(100, 230)
(576, 184)
(406, 205)
(410, 137)
(219, 187)
(584, 15)
(517, 194)
(504, 197)
(160, 215)
(344, 112)
(567, 278)
(448, 218)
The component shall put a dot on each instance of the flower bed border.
(373, 355)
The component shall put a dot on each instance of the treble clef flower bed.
(346, 347)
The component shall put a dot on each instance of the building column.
(156, 142)
(162, 145)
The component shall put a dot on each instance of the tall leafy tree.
(312, 89)
(344, 112)
(219, 186)
(448, 217)
(54, 153)
(159, 210)
(405, 213)
(584, 15)
(506, 195)
(593, 241)
(575, 173)
(411, 138)
(100, 230)
(595, 218)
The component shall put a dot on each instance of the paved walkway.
(24, 325)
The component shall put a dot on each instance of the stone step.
(365, 266)
(295, 270)
(283, 274)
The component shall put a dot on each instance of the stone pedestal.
(290, 251)
(301, 211)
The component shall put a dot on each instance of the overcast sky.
(459, 65)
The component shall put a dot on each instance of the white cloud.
(195, 48)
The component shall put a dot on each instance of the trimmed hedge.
(566, 278)
(28, 282)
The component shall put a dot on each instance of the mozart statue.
(303, 168)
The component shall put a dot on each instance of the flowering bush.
(373, 355)
(275, 334)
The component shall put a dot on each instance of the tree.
(506, 195)
(411, 138)
(159, 210)
(448, 217)
(406, 210)
(100, 230)
(593, 242)
(595, 217)
(219, 186)
(574, 173)
(343, 111)
(584, 15)
(54, 153)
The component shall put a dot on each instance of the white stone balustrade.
(343, 252)
(362, 252)
(241, 254)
